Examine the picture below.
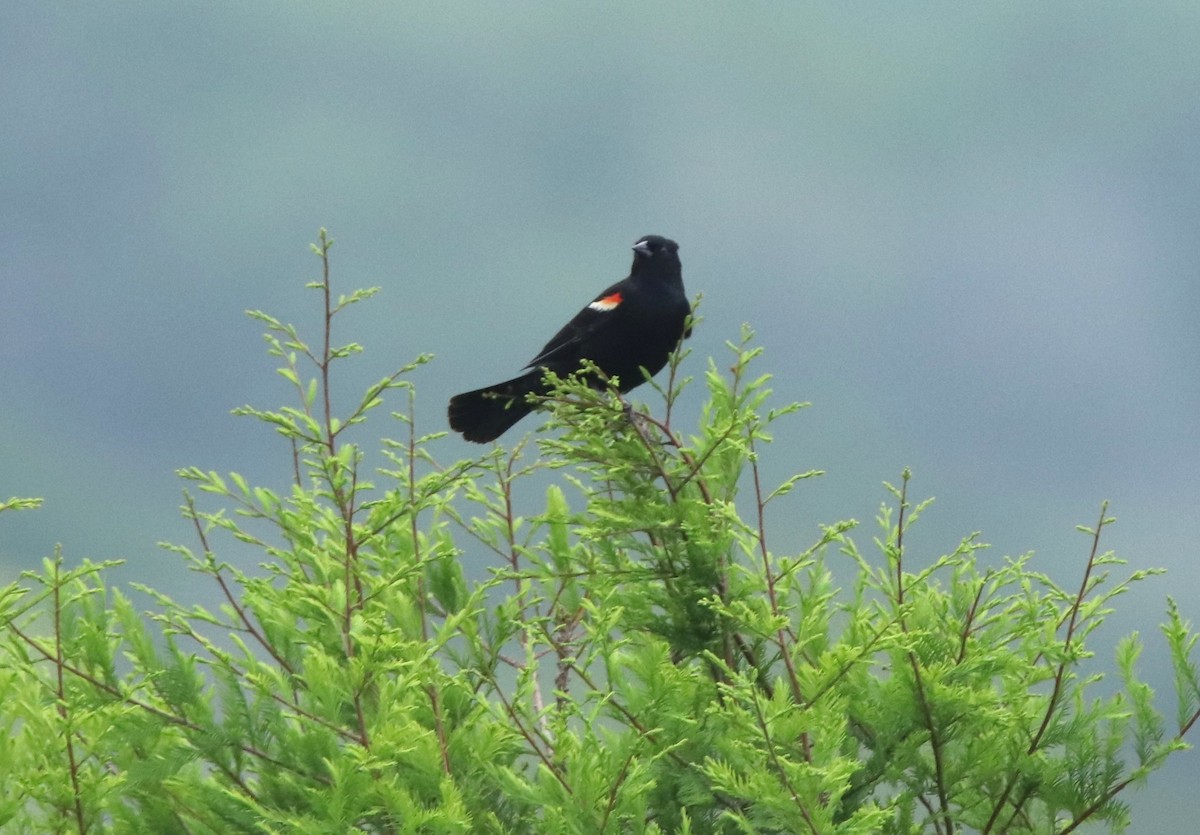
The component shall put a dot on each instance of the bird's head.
(655, 247)
(657, 257)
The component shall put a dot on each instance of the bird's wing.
(586, 322)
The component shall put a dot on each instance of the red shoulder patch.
(607, 303)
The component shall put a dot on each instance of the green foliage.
(636, 657)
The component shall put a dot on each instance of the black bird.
(634, 324)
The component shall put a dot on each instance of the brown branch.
(227, 592)
(61, 693)
(431, 692)
(781, 638)
(185, 629)
(783, 778)
(970, 619)
(169, 718)
(538, 742)
(935, 740)
(611, 803)
(325, 362)
(1060, 673)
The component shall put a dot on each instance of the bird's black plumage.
(634, 324)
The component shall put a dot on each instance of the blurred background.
(968, 234)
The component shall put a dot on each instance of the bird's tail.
(485, 414)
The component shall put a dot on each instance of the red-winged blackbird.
(632, 325)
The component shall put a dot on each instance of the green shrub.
(637, 657)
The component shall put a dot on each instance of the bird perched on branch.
(634, 324)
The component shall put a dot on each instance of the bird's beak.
(642, 248)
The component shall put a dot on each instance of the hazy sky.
(967, 234)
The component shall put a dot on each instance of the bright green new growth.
(636, 657)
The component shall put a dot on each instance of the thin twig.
(935, 740)
(227, 592)
(1059, 675)
(61, 692)
(781, 640)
